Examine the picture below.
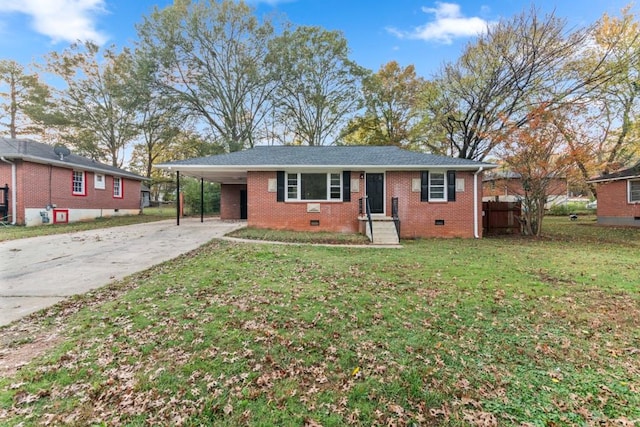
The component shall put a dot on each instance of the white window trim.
(299, 192)
(444, 190)
(629, 191)
(120, 184)
(83, 192)
(99, 185)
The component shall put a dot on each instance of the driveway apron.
(37, 272)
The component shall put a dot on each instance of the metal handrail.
(367, 209)
(394, 214)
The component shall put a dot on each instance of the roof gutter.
(476, 233)
(13, 189)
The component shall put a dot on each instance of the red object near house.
(328, 188)
(49, 185)
(619, 197)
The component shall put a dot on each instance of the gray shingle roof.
(328, 156)
(38, 152)
(632, 172)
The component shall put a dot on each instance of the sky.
(424, 33)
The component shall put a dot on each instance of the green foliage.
(98, 109)
(192, 197)
(391, 99)
(24, 100)
(317, 84)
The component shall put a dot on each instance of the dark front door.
(375, 192)
(243, 204)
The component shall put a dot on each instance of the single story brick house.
(49, 185)
(619, 197)
(326, 188)
(507, 186)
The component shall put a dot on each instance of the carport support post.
(177, 197)
(201, 199)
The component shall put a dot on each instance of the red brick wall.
(613, 200)
(230, 200)
(417, 218)
(265, 212)
(39, 185)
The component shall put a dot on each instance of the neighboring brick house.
(47, 186)
(507, 186)
(322, 188)
(619, 197)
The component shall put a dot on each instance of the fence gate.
(501, 218)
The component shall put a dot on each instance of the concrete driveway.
(37, 272)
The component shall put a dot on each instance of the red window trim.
(84, 183)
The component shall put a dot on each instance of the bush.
(566, 209)
(191, 189)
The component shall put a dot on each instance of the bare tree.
(210, 59)
(519, 64)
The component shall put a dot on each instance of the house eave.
(619, 178)
(77, 166)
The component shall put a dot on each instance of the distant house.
(507, 186)
(619, 197)
(48, 185)
(327, 188)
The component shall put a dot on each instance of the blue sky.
(425, 33)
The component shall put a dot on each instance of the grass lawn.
(149, 214)
(498, 331)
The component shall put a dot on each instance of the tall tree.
(210, 59)
(537, 152)
(518, 64)
(391, 117)
(99, 110)
(605, 125)
(318, 84)
(24, 100)
(160, 120)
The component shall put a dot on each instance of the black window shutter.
(280, 186)
(346, 186)
(424, 186)
(451, 186)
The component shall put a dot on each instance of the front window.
(634, 191)
(117, 187)
(78, 187)
(437, 186)
(314, 186)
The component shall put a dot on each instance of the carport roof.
(232, 167)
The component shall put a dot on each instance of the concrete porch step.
(384, 232)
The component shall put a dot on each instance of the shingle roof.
(38, 152)
(328, 156)
(632, 172)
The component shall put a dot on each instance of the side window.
(437, 186)
(117, 187)
(78, 183)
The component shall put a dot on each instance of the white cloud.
(449, 24)
(61, 20)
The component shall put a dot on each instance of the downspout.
(476, 233)
(14, 192)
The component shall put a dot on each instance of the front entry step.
(384, 231)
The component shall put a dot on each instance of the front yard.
(498, 331)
